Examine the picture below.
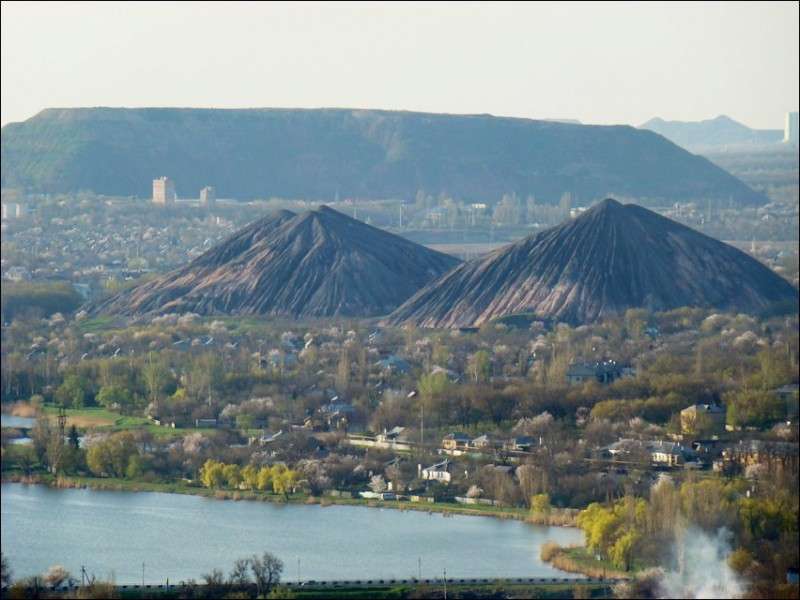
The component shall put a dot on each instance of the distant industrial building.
(208, 196)
(790, 129)
(163, 191)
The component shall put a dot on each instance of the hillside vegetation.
(325, 153)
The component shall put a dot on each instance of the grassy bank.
(577, 559)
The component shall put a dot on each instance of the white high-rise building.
(163, 191)
(208, 196)
(790, 129)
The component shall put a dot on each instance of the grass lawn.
(108, 420)
(580, 560)
(97, 324)
(86, 418)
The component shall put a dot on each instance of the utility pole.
(445, 584)
(298, 569)
(419, 569)
(62, 420)
(142, 573)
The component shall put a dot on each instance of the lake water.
(181, 537)
(15, 422)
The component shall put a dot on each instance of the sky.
(596, 62)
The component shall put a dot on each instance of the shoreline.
(563, 558)
(122, 485)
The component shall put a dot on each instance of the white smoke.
(702, 567)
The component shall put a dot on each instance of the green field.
(106, 420)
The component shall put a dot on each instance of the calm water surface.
(12, 421)
(181, 537)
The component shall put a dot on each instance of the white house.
(438, 472)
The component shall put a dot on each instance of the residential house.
(521, 443)
(483, 442)
(439, 472)
(456, 441)
(395, 434)
(580, 372)
(394, 364)
(667, 453)
(607, 371)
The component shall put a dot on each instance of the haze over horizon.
(616, 63)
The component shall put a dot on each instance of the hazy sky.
(597, 62)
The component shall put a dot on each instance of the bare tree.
(5, 570)
(240, 575)
(215, 583)
(267, 571)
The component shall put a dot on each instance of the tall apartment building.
(790, 129)
(208, 196)
(163, 191)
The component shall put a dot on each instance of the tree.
(240, 574)
(480, 366)
(48, 443)
(112, 457)
(155, 376)
(232, 475)
(73, 392)
(283, 480)
(377, 484)
(740, 560)
(212, 474)
(440, 355)
(264, 478)
(753, 408)
(215, 583)
(621, 552)
(74, 439)
(115, 398)
(540, 505)
(343, 371)
(135, 467)
(5, 570)
(56, 450)
(267, 571)
(250, 477)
